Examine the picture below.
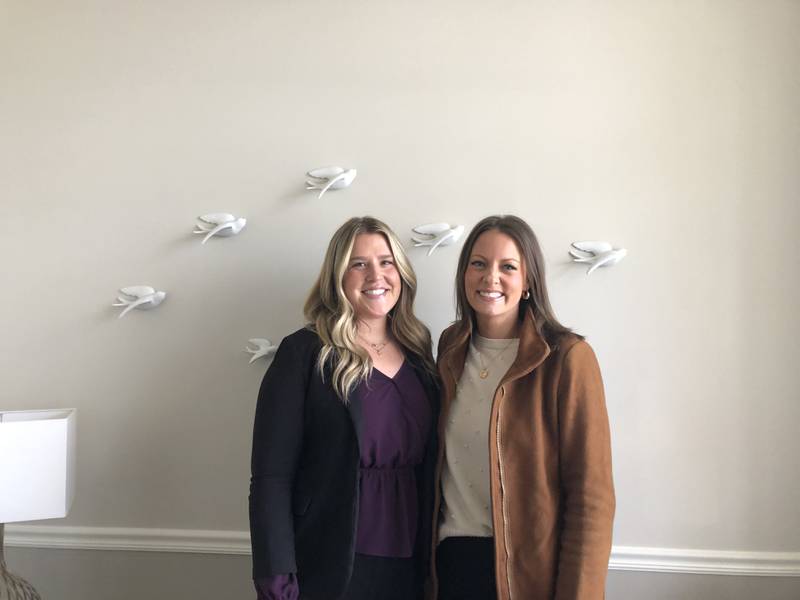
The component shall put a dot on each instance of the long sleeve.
(277, 439)
(586, 478)
(278, 587)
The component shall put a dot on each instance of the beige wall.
(669, 128)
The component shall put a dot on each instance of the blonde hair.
(331, 315)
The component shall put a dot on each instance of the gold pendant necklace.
(378, 347)
(484, 370)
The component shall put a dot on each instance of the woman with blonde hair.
(344, 440)
(525, 498)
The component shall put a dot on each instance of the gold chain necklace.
(378, 347)
(484, 372)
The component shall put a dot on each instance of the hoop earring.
(526, 295)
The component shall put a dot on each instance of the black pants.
(378, 578)
(465, 568)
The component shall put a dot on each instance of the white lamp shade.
(37, 464)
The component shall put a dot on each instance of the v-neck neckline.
(396, 373)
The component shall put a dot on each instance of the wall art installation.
(329, 178)
(596, 254)
(262, 348)
(221, 224)
(435, 235)
(142, 297)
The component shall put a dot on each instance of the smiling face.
(494, 281)
(371, 283)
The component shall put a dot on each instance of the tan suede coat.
(550, 455)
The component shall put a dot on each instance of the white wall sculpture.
(263, 348)
(596, 254)
(142, 297)
(221, 224)
(329, 178)
(436, 234)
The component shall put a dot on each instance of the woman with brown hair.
(344, 441)
(524, 497)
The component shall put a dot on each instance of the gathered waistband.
(387, 469)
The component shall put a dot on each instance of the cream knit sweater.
(465, 474)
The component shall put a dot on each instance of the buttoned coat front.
(550, 459)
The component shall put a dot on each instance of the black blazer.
(304, 483)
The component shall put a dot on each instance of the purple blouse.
(395, 417)
(395, 422)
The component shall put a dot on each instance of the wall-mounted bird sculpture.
(221, 224)
(329, 178)
(596, 254)
(142, 297)
(436, 234)
(263, 348)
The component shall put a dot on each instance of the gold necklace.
(484, 372)
(378, 347)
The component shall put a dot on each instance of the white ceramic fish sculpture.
(596, 254)
(142, 297)
(221, 224)
(263, 347)
(436, 234)
(329, 178)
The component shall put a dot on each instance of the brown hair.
(532, 258)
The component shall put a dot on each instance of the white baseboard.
(623, 558)
(122, 538)
(707, 562)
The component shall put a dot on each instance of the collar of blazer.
(533, 349)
